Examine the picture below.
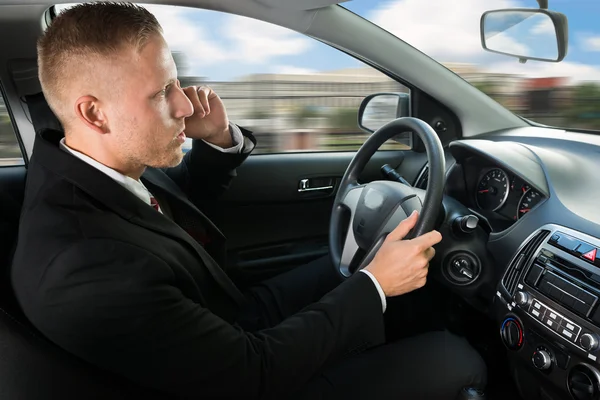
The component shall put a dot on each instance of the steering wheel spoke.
(350, 247)
(348, 252)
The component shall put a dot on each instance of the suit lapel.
(155, 179)
(153, 220)
(182, 208)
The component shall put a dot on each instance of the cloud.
(291, 70)
(192, 39)
(545, 27)
(444, 30)
(506, 44)
(240, 40)
(256, 41)
(591, 43)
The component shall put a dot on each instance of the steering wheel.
(379, 206)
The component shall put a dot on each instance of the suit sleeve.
(205, 172)
(129, 317)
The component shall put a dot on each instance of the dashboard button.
(568, 243)
(568, 334)
(569, 327)
(553, 324)
(590, 255)
(553, 316)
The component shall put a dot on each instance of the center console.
(548, 309)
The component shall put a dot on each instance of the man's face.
(146, 108)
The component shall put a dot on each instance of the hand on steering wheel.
(376, 209)
(401, 266)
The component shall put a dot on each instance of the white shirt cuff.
(378, 287)
(241, 144)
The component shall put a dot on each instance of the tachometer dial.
(492, 190)
(530, 199)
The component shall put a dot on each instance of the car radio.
(549, 307)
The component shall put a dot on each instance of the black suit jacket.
(111, 280)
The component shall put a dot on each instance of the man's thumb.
(404, 227)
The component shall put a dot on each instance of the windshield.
(564, 94)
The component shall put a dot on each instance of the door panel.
(270, 225)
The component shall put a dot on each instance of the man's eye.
(164, 92)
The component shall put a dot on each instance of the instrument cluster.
(497, 193)
(505, 193)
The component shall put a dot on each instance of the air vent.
(423, 178)
(521, 260)
(583, 382)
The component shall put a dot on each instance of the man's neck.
(134, 172)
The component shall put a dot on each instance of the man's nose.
(182, 106)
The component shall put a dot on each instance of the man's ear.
(88, 110)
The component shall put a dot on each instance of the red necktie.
(154, 203)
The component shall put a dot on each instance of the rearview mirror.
(526, 33)
(378, 109)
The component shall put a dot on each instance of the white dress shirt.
(240, 144)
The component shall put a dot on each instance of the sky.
(224, 47)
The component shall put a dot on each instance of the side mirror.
(378, 109)
(525, 33)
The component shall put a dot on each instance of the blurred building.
(301, 111)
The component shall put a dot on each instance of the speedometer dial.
(492, 190)
(530, 199)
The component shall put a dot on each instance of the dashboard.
(535, 192)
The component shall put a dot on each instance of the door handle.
(304, 186)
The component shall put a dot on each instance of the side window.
(295, 93)
(10, 152)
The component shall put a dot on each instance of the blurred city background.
(318, 111)
(298, 94)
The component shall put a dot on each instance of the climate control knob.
(541, 359)
(589, 341)
(511, 333)
(522, 298)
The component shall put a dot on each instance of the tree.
(344, 119)
(584, 111)
(303, 115)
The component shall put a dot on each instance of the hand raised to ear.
(209, 121)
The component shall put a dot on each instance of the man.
(116, 263)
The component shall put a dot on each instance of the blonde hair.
(83, 34)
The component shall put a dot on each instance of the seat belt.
(42, 116)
